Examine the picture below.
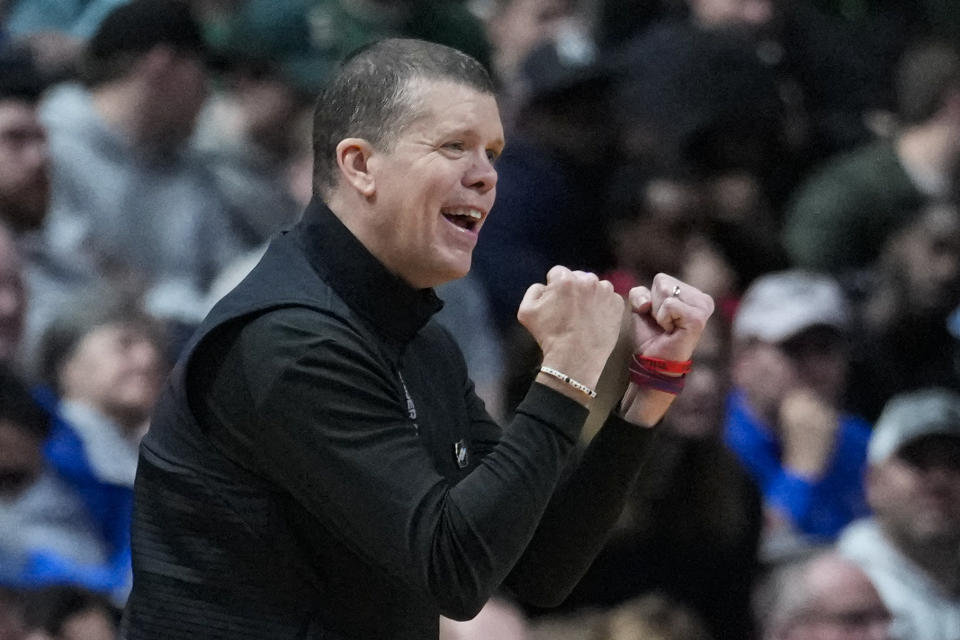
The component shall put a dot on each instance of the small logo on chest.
(461, 453)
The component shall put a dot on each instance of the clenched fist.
(575, 318)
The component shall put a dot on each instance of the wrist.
(644, 407)
(566, 385)
(577, 367)
(658, 374)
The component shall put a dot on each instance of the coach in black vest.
(319, 465)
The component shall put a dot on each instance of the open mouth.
(464, 217)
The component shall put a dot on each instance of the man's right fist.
(575, 318)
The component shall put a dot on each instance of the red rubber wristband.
(664, 366)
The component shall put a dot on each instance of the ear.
(353, 155)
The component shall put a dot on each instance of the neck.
(129, 421)
(362, 222)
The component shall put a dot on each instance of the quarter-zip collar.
(391, 306)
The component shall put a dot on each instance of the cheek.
(11, 171)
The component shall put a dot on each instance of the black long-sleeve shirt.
(320, 466)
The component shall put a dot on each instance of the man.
(24, 163)
(819, 598)
(909, 548)
(841, 216)
(319, 465)
(24, 189)
(46, 533)
(103, 359)
(907, 298)
(784, 419)
(129, 199)
(12, 298)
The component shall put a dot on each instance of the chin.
(449, 272)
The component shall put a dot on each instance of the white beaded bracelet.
(579, 386)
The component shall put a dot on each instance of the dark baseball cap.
(19, 76)
(140, 25)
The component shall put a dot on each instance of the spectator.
(552, 176)
(274, 67)
(12, 298)
(352, 23)
(821, 597)
(104, 359)
(515, 29)
(12, 624)
(69, 613)
(830, 75)
(722, 224)
(24, 179)
(909, 548)
(691, 529)
(24, 198)
(840, 217)
(130, 201)
(46, 533)
(652, 617)
(907, 297)
(784, 419)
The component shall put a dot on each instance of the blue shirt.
(819, 508)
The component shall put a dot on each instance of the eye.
(492, 155)
(455, 146)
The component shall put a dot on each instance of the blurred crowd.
(796, 159)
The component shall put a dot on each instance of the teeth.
(468, 212)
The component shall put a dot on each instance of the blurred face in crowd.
(270, 108)
(518, 26)
(12, 297)
(180, 83)
(89, 624)
(751, 14)
(117, 368)
(927, 256)
(652, 241)
(843, 605)
(816, 359)
(916, 493)
(12, 626)
(434, 187)
(698, 411)
(21, 459)
(24, 166)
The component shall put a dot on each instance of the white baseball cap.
(912, 415)
(778, 306)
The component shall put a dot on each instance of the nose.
(35, 153)
(482, 175)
